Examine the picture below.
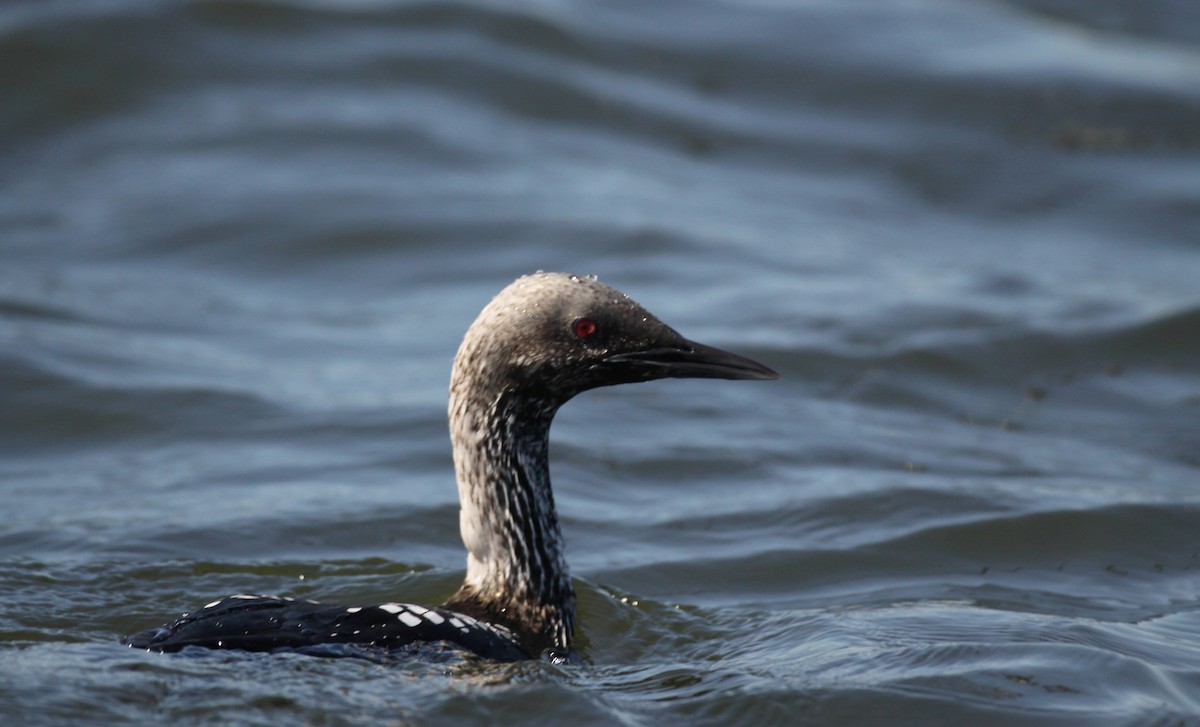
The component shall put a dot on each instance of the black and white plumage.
(268, 623)
(542, 340)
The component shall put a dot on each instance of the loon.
(542, 340)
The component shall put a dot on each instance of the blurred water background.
(240, 240)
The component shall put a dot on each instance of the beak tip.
(761, 373)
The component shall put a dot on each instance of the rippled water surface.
(239, 242)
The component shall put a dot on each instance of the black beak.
(690, 360)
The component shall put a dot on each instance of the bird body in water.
(539, 342)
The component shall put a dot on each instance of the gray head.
(551, 336)
(542, 340)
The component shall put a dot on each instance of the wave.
(48, 410)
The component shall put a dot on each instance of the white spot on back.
(434, 617)
(210, 605)
(354, 609)
(410, 619)
(391, 608)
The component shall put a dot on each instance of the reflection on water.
(240, 241)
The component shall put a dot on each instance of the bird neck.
(516, 570)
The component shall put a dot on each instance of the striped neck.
(516, 570)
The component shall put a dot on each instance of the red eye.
(584, 327)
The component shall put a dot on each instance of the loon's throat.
(516, 568)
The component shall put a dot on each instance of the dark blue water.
(239, 242)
